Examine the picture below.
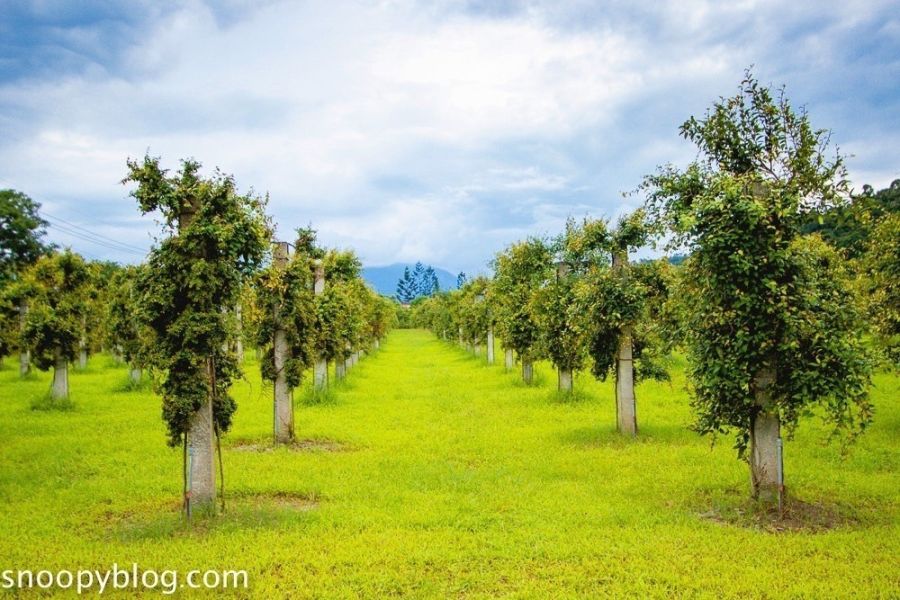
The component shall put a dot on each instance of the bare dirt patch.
(796, 516)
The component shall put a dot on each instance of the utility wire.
(87, 235)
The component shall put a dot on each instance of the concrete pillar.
(60, 388)
(340, 368)
(766, 474)
(565, 380)
(136, 374)
(201, 457)
(508, 359)
(284, 405)
(626, 406)
(490, 344)
(201, 468)
(527, 371)
(476, 350)
(320, 368)
(320, 374)
(239, 342)
(24, 353)
(377, 343)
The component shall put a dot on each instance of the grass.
(427, 473)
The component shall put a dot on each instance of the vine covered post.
(281, 355)
(771, 321)
(320, 373)
(216, 239)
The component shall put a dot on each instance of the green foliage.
(473, 310)
(59, 286)
(126, 330)
(756, 295)
(518, 272)
(190, 282)
(285, 301)
(881, 264)
(21, 233)
(551, 306)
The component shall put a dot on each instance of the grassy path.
(430, 474)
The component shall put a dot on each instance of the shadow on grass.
(46, 402)
(608, 436)
(243, 510)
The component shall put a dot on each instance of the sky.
(434, 131)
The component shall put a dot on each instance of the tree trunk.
(24, 363)
(60, 388)
(527, 371)
(565, 380)
(766, 475)
(284, 405)
(490, 345)
(377, 343)
(320, 374)
(509, 359)
(340, 368)
(626, 408)
(461, 342)
(136, 374)
(477, 350)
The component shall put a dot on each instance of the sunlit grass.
(429, 473)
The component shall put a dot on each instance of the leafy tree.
(406, 288)
(772, 325)
(21, 233)
(882, 265)
(126, 330)
(216, 239)
(431, 285)
(460, 279)
(57, 305)
(518, 272)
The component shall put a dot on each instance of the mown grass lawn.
(435, 475)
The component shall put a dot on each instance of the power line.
(87, 235)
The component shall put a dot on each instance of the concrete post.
(60, 388)
(527, 371)
(626, 406)
(201, 467)
(765, 432)
(82, 345)
(565, 380)
(284, 405)
(320, 369)
(239, 342)
(136, 374)
(508, 359)
(490, 344)
(24, 353)
(340, 368)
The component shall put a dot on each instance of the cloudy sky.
(434, 131)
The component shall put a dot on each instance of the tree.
(21, 233)
(460, 279)
(421, 286)
(772, 324)
(518, 272)
(431, 284)
(551, 307)
(126, 330)
(881, 264)
(215, 239)
(57, 305)
(406, 288)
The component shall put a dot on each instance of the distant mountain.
(384, 279)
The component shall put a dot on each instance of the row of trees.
(772, 316)
(212, 283)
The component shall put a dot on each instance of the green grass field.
(430, 474)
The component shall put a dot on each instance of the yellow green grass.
(435, 475)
